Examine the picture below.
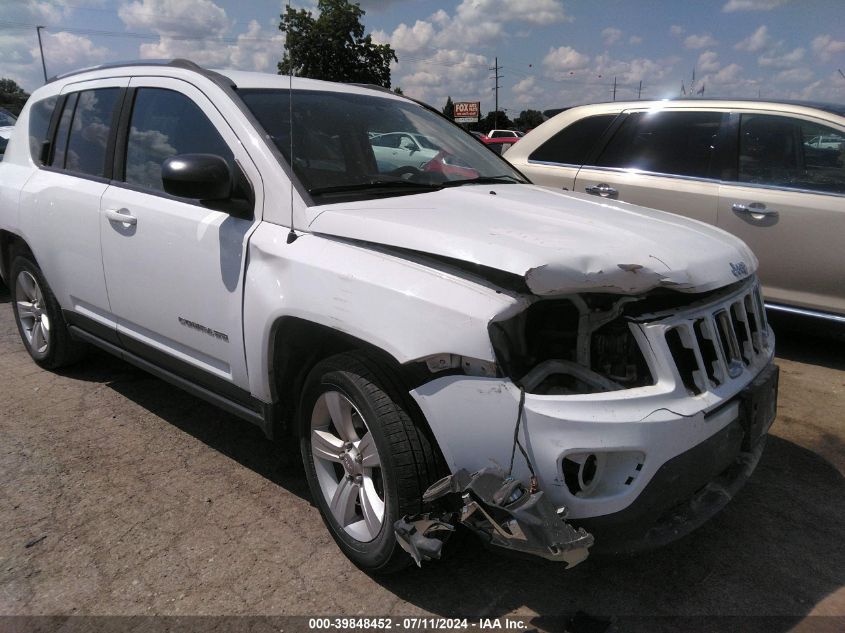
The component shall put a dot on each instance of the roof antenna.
(291, 234)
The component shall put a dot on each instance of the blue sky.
(552, 52)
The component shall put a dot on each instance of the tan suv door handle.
(756, 210)
(603, 190)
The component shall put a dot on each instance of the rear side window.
(83, 131)
(573, 144)
(63, 131)
(680, 143)
(165, 123)
(39, 126)
(785, 152)
(89, 131)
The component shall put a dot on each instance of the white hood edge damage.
(560, 243)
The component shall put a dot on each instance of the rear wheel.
(39, 317)
(367, 460)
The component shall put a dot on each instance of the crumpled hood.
(559, 242)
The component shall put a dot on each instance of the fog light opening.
(581, 473)
(587, 472)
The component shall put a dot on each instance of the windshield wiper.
(486, 180)
(374, 185)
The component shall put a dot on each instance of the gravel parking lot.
(123, 495)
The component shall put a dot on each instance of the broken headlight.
(573, 345)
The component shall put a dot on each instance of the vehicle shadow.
(233, 437)
(807, 340)
(5, 297)
(774, 551)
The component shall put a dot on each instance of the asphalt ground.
(121, 495)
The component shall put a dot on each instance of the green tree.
(12, 96)
(529, 119)
(449, 108)
(398, 91)
(493, 122)
(333, 46)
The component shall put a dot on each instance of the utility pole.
(41, 48)
(640, 90)
(614, 88)
(496, 68)
(839, 70)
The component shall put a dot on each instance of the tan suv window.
(786, 152)
(573, 144)
(678, 143)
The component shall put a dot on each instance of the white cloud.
(755, 42)
(409, 39)
(826, 47)
(536, 12)
(66, 51)
(635, 39)
(728, 74)
(830, 88)
(772, 58)
(455, 73)
(254, 49)
(793, 76)
(565, 58)
(677, 30)
(191, 18)
(611, 35)
(200, 30)
(473, 22)
(752, 5)
(704, 40)
(528, 92)
(708, 62)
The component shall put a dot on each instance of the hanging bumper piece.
(501, 510)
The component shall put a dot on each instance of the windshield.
(6, 118)
(367, 145)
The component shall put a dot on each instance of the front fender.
(402, 307)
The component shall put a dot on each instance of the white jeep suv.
(449, 344)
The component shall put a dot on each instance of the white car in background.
(403, 149)
(505, 134)
(7, 124)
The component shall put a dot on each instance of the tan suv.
(771, 173)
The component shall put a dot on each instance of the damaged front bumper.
(498, 508)
(607, 460)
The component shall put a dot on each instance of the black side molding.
(261, 415)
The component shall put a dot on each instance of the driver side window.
(165, 123)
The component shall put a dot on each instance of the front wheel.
(367, 461)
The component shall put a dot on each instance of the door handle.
(603, 190)
(121, 215)
(757, 210)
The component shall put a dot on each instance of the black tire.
(60, 349)
(408, 460)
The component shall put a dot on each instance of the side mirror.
(197, 176)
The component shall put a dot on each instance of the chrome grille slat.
(725, 338)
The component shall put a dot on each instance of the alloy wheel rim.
(348, 466)
(32, 312)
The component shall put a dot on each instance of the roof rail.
(187, 64)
